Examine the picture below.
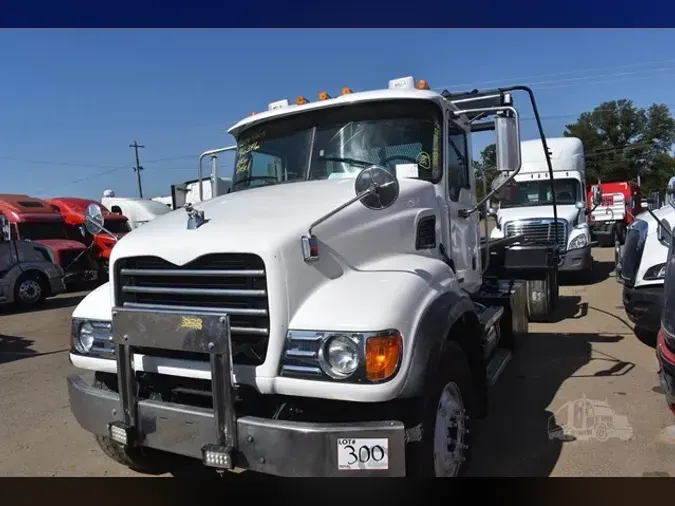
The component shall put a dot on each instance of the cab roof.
(24, 204)
(78, 206)
(350, 98)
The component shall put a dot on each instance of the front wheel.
(29, 290)
(444, 450)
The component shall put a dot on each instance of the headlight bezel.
(656, 272)
(304, 356)
(578, 238)
(102, 343)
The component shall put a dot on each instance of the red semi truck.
(609, 220)
(73, 210)
(32, 219)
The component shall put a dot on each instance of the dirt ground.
(589, 352)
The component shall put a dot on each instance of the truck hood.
(270, 221)
(61, 244)
(663, 213)
(566, 212)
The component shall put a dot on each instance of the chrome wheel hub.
(449, 432)
(29, 291)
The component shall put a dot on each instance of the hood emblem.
(195, 218)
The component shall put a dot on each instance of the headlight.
(655, 272)
(579, 241)
(354, 357)
(92, 337)
(339, 356)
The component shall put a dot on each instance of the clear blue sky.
(78, 98)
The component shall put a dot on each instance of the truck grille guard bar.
(189, 331)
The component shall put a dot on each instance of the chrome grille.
(539, 231)
(226, 283)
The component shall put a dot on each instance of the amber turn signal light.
(383, 354)
(324, 96)
(301, 101)
(346, 91)
(422, 85)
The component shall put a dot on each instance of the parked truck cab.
(35, 220)
(73, 212)
(620, 204)
(137, 211)
(342, 321)
(529, 208)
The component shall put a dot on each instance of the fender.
(433, 332)
(97, 305)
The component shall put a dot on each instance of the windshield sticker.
(435, 150)
(407, 170)
(424, 160)
(244, 151)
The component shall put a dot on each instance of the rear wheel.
(30, 290)
(539, 299)
(444, 450)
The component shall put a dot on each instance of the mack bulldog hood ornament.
(195, 217)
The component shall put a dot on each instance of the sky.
(73, 100)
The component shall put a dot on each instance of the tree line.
(622, 142)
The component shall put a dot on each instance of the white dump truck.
(342, 320)
(529, 209)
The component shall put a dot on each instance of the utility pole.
(138, 167)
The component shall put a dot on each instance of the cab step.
(496, 365)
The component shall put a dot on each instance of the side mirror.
(580, 205)
(83, 230)
(507, 144)
(501, 189)
(596, 192)
(93, 219)
(376, 187)
(4, 229)
(492, 212)
(632, 202)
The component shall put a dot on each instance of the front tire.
(30, 290)
(539, 299)
(138, 459)
(445, 448)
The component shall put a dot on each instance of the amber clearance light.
(383, 354)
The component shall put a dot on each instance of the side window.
(257, 167)
(457, 161)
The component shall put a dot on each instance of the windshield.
(538, 193)
(117, 226)
(36, 230)
(402, 135)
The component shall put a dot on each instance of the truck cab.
(73, 212)
(32, 219)
(609, 221)
(27, 274)
(137, 211)
(641, 268)
(529, 209)
(347, 309)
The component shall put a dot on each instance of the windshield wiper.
(253, 178)
(351, 161)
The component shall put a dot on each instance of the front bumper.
(643, 306)
(576, 260)
(666, 359)
(276, 447)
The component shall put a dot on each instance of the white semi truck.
(137, 210)
(641, 266)
(342, 321)
(529, 209)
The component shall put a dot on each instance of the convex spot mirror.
(379, 187)
(502, 189)
(579, 205)
(596, 193)
(93, 219)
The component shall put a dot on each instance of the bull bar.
(215, 436)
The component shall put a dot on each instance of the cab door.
(464, 234)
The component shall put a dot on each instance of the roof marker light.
(279, 104)
(403, 83)
(346, 91)
(422, 85)
(301, 101)
(252, 113)
(324, 96)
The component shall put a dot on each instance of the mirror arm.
(465, 213)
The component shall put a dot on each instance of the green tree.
(622, 140)
(486, 167)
